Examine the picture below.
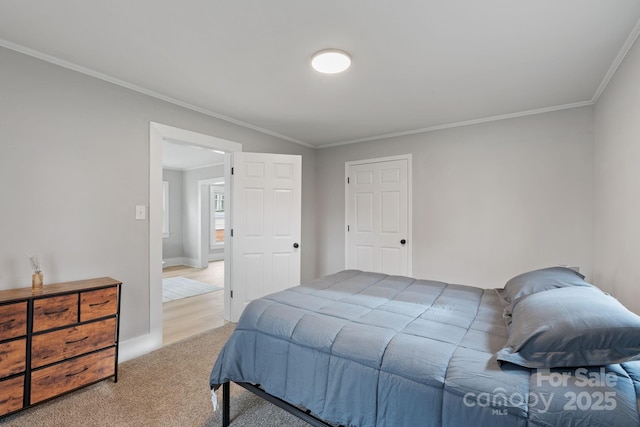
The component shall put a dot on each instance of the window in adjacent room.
(216, 209)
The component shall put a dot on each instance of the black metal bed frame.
(255, 389)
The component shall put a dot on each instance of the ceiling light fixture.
(331, 61)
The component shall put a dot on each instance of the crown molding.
(463, 123)
(92, 73)
(622, 53)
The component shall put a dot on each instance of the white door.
(378, 216)
(266, 224)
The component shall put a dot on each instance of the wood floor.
(190, 316)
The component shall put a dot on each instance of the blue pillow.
(570, 327)
(541, 280)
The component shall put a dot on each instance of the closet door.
(377, 200)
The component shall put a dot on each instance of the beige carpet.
(169, 387)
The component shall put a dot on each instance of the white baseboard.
(138, 346)
(170, 262)
(216, 256)
(190, 262)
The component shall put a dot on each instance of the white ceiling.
(417, 64)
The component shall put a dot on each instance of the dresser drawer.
(54, 312)
(57, 379)
(99, 303)
(13, 357)
(11, 394)
(13, 320)
(62, 344)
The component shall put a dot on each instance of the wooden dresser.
(57, 340)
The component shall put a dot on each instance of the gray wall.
(617, 183)
(489, 201)
(172, 246)
(75, 163)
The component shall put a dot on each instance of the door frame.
(347, 165)
(157, 132)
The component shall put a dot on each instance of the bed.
(365, 349)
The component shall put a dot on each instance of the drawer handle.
(99, 303)
(76, 341)
(77, 373)
(49, 313)
(7, 323)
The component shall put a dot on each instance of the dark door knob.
(295, 245)
(403, 241)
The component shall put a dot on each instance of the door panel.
(390, 221)
(254, 215)
(363, 258)
(378, 216)
(266, 222)
(364, 212)
(391, 263)
(282, 218)
(252, 276)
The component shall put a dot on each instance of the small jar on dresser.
(57, 340)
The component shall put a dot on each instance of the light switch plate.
(141, 212)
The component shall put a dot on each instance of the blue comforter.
(366, 349)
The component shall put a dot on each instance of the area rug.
(174, 288)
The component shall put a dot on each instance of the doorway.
(159, 135)
(193, 240)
